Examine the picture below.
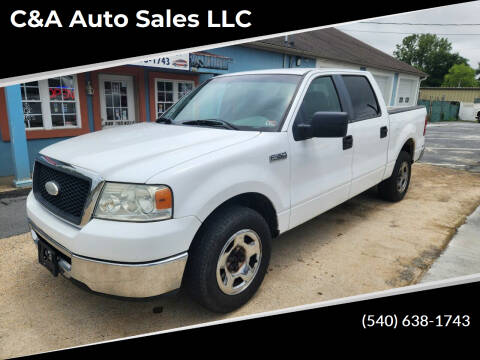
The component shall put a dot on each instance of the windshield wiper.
(163, 120)
(211, 122)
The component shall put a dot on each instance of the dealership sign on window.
(180, 62)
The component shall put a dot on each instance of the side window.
(321, 96)
(364, 101)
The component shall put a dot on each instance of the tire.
(396, 186)
(229, 240)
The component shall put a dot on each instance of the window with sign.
(32, 105)
(51, 103)
(168, 92)
(63, 107)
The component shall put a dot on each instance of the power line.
(408, 33)
(414, 24)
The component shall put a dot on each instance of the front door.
(117, 103)
(320, 167)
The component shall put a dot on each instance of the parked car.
(196, 198)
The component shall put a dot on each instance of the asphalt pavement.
(453, 144)
(13, 218)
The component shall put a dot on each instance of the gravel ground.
(361, 246)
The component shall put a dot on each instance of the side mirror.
(323, 125)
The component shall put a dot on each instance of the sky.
(380, 35)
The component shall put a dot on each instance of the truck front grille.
(73, 192)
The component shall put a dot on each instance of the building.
(398, 81)
(469, 99)
(40, 113)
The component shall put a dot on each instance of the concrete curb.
(15, 192)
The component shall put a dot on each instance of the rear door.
(370, 131)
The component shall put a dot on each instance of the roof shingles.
(333, 44)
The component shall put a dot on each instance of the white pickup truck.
(196, 198)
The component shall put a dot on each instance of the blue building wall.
(34, 146)
(89, 105)
(245, 59)
(6, 165)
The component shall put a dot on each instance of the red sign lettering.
(68, 94)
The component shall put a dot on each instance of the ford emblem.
(52, 188)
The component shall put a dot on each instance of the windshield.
(243, 102)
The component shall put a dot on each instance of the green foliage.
(460, 75)
(430, 54)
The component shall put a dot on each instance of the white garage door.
(406, 92)
(384, 85)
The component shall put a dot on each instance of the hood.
(134, 153)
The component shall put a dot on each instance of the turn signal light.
(163, 199)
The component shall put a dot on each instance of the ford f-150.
(195, 198)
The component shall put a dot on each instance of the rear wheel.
(228, 259)
(396, 186)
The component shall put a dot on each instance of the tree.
(460, 75)
(430, 54)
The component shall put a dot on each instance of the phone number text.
(414, 321)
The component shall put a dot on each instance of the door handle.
(347, 142)
(383, 131)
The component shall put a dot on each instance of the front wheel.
(395, 187)
(228, 259)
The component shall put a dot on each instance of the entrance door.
(117, 103)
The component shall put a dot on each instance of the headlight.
(132, 202)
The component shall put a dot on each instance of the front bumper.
(135, 280)
(117, 241)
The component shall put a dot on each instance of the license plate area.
(48, 257)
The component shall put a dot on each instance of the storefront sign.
(179, 62)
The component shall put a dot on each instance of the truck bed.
(399, 109)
